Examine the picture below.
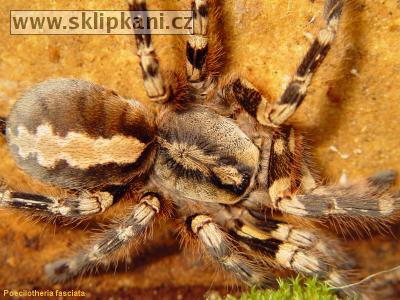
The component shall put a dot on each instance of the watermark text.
(62, 22)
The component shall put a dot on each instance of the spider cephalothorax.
(216, 149)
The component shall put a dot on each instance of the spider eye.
(76, 134)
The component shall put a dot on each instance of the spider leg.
(366, 199)
(294, 251)
(254, 222)
(275, 114)
(153, 81)
(292, 189)
(281, 244)
(295, 92)
(223, 250)
(202, 52)
(383, 180)
(284, 172)
(357, 200)
(241, 91)
(287, 170)
(296, 193)
(111, 241)
(197, 43)
(252, 258)
(81, 205)
(354, 204)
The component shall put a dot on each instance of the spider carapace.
(214, 151)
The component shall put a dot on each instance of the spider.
(212, 152)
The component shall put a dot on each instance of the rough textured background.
(353, 106)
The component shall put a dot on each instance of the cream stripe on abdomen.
(77, 149)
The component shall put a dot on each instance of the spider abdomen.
(76, 134)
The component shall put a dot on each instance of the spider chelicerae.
(213, 153)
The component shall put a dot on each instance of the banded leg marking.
(288, 170)
(153, 81)
(255, 224)
(275, 114)
(281, 245)
(221, 249)
(248, 97)
(295, 92)
(112, 240)
(283, 172)
(284, 254)
(197, 44)
(354, 201)
(81, 205)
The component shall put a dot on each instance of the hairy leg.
(383, 180)
(153, 81)
(282, 245)
(352, 208)
(197, 43)
(296, 91)
(81, 205)
(203, 49)
(254, 257)
(254, 222)
(224, 251)
(277, 113)
(288, 167)
(353, 201)
(292, 189)
(113, 240)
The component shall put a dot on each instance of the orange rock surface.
(353, 106)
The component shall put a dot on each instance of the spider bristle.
(215, 58)
(180, 89)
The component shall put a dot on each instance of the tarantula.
(214, 153)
